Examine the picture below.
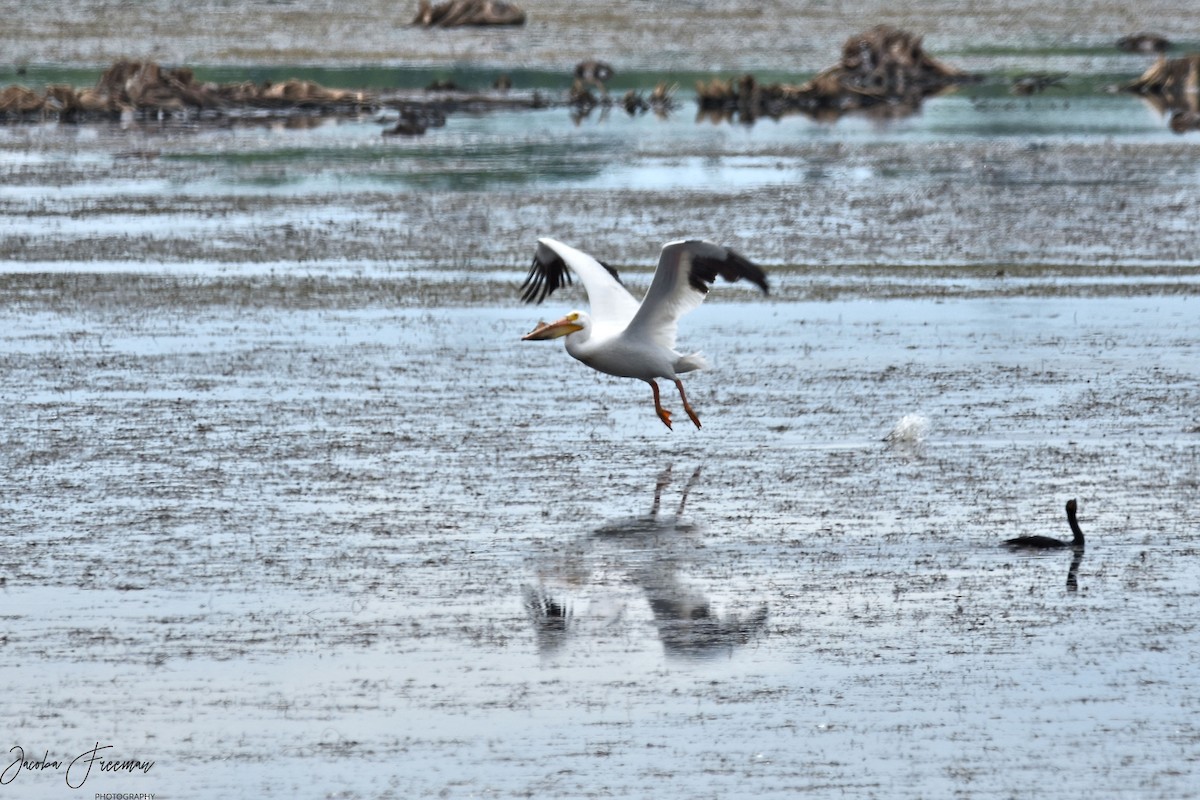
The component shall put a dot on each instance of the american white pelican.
(622, 337)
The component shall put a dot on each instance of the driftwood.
(583, 101)
(148, 91)
(1176, 80)
(1172, 86)
(144, 87)
(458, 13)
(882, 68)
(19, 100)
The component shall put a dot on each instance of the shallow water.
(274, 549)
(290, 511)
(977, 181)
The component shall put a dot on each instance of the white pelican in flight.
(621, 336)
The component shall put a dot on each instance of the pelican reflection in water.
(650, 552)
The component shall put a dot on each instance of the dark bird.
(415, 120)
(597, 73)
(621, 336)
(1048, 542)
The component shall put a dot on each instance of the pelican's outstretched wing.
(553, 263)
(686, 270)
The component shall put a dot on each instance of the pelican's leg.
(664, 480)
(663, 414)
(687, 490)
(686, 406)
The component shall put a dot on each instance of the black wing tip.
(730, 265)
(611, 271)
(534, 283)
(550, 272)
(547, 273)
(749, 270)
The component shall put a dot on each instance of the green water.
(425, 164)
(381, 78)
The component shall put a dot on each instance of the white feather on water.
(910, 431)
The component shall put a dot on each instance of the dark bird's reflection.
(1049, 544)
(653, 553)
(1073, 570)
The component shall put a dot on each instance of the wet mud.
(342, 199)
(252, 540)
(633, 35)
(289, 510)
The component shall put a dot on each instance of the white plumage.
(621, 336)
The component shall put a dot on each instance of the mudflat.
(289, 510)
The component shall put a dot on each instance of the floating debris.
(596, 73)
(884, 68)
(911, 429)
(1144, 43)
(907, 437)
(1037, 82)
(661, 101)
(416, 119)
(1172, 79)
(460, 13)
(146, 88)
(19, 100)
(581, 99)
(634, 103)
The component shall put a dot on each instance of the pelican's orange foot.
(665, 416)
(686, 405)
